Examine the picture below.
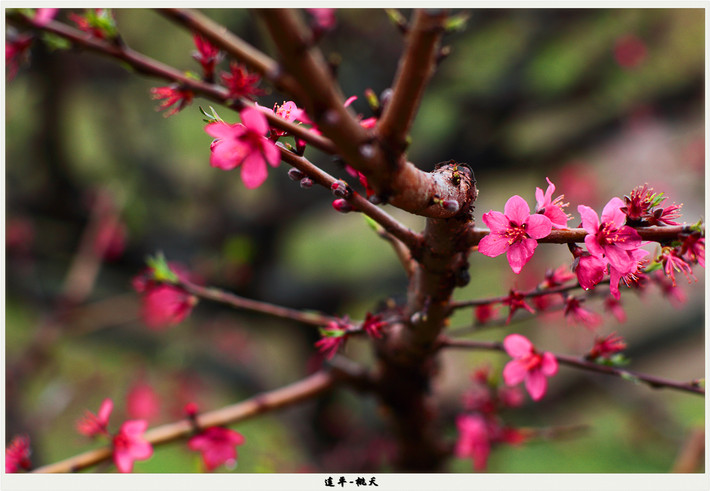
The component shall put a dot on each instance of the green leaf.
(630, 378)
(457, 22)
(396, 17)
(698, 227)
(652, 267)
(211, 118)
(373, 224)
(332, 333)
(161, 269)
(54, 42)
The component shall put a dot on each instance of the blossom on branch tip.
(604, 347)
(642, 208)
(610, 239)
(514, 232)
(241, 83)
(373, 325)
(96, 424)
(171, 95)
(516, 300)
(693, 249)
(672, 262)
(206, 55)
(217, 445)
(244, 145)
(528, 365)
(552, 209)
(473, 441)
(334, 335)
(163, 304)
(574, 311)
(129, 445)
(17, 455)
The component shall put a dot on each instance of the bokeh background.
(599, 101)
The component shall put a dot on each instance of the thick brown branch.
(415, 69)
(581, 363)
(259, 404)
(401, 183)
(221, 296)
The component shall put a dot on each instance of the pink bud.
(342, 206)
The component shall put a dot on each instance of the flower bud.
(306, 183)
(295, 174)
(450, 205)
(342, 206)
(341, 189)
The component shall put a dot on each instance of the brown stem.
(269, 401)
(415, 69)
(581, 363)
(410, 238)
(221, 296)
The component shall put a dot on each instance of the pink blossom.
(110, 240)
(44, 16)
(515, 301)
(614, 306)
(528, 365)
(552, 209)
(631, 276)
(206, 55)
(674, 293)
(514, 232)
(92, 425)
(510, 396)
(245, 145)
(334, 335)
(672, 262)
(323, 18)
(485, 312)
(693, 249)
(604, 347)
(589, 269)
(16, 52)
(171, 95)
(373, 325)
(17, 455)
(611, 239)
(218, 446)
(241, 83)
(473, 441)
(629, 51)
(557, 277)
(142, 402)
(166, 305)
(129, 445)
(574, 311)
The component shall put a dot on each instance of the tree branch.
(400, 183)
(415, 69)
(581, 363)
(148, 66)
(572, 235)
(221, 296)
(259, 404)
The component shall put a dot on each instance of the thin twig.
(410, 238)
(148, 66)
(221, 296)
(299, 391)
(576, 362)
(416, 67)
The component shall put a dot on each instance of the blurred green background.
(600, 101)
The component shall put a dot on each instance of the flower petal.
(536, 384)
(496, 221)
(493, 245)
(516, 209)
(254, 120)
(272, 153)
(612, 212)
(590, 219)
(253, 170)
(520, 253)
(517, 345)
(538, 226)
(549, 364)
(514, 372)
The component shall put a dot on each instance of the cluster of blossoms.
(480, 427)
(17, 455)
(335, 333)
(128, 445)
